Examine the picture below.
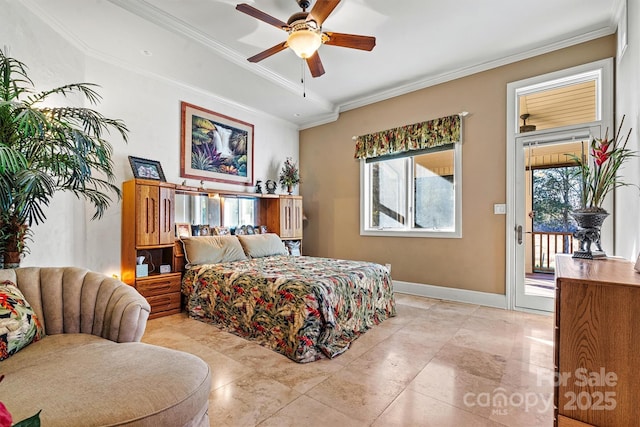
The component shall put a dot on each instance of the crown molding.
(319, 120)
(467, 71)
(101, 56)
(169, 22)
(150, 13)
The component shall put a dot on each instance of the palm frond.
(89, 121)
(100, 200)
(11, 160)
(85, 89)
(15, 80)
(33, 191)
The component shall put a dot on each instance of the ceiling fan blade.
(321, 9)
(258, 14)
(352, 41)
(267, 53)
(315, 65)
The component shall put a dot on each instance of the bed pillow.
(261, 245)
(19, 325)
(212, 249)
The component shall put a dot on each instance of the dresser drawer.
(163, 305)
(158, 285)
(569, 422)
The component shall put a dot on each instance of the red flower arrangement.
(602, 177)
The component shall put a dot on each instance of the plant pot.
(11, 260)
(290, 189)
(589, 223)
(14, 234)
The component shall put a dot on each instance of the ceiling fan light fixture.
(305, 34)
(304, 42)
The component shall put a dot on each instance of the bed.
(305, 308)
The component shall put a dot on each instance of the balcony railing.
(547, 244)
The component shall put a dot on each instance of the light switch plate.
(500, 209)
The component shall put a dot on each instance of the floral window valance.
(418, 136)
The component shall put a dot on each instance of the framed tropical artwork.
(215, 147)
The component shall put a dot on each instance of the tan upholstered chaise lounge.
(90, 368)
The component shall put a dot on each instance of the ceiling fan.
(305, 33)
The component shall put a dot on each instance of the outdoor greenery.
(45, 149)
(556, 192)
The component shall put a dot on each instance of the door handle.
(519, 234)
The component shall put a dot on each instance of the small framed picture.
(221, 231)
(146, 169)
(183, 229)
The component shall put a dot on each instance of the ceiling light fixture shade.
(304, 42)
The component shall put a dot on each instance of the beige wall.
(331, 176)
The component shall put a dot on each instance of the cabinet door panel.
(166, 233)
(286, 211)
(296, 225)
(147, 232)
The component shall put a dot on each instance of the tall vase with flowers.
(289, 175)
(598, 178)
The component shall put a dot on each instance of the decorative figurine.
(271, 186)
(258, 187)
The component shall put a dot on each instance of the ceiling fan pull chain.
(302, 79)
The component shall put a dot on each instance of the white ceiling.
(204, 44)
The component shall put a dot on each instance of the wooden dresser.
(597, 343)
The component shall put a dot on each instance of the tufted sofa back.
(75, 300)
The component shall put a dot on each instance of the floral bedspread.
(302, 307)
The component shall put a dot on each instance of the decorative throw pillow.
(19, 325)
(261, 245)
(212, 249)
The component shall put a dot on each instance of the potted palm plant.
(598, 178)
(47, 149)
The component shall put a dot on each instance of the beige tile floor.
(437, 363)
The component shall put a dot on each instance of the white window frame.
(365, 203)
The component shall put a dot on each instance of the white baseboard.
(451, 294)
